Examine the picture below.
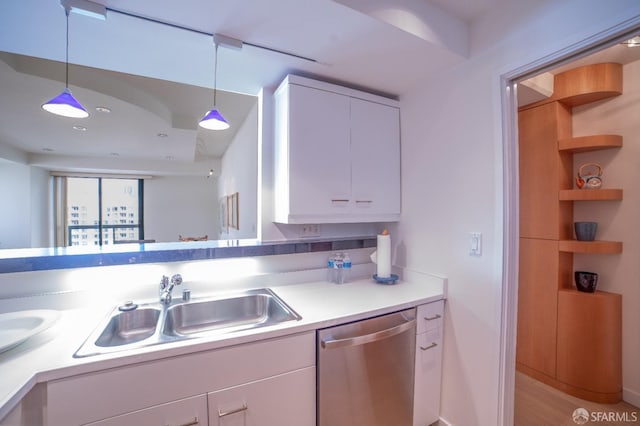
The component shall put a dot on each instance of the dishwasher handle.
(368, 338)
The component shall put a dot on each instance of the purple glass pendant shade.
(65, 105)
(213, 120)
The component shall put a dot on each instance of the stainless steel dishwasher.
(365, 372)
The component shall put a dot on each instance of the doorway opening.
(599, 49)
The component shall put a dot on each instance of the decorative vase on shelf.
(585, 231)
(586, 281)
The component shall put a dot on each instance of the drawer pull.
(437, 316)
(233, 411)
(431, 346)
(195, 421)
(339, 200)
(364, 201)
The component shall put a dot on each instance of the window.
(104, 203)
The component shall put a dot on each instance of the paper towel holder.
(388, 280)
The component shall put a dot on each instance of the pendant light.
(213, 120)
(65, 104)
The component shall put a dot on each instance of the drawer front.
(186, 412)
(287, 399)
(430, 316)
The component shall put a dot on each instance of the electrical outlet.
(310, 231)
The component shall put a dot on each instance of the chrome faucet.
(166, 286)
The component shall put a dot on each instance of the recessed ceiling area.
(131, 117)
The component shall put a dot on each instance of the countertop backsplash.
(112, 285)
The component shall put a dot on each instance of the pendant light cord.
(215, 75)
(66, 78)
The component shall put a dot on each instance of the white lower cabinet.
(274, 377)
(287, 399)
(186, 412)
(428, 364)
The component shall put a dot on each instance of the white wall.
(239, 173)
(15, 191)
(452, 184)
(180, 205)
(617, 221)
(25, 207)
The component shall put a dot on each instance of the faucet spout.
(166, 286)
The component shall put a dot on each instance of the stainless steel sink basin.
(129, 327)
(256, 308)
(155, 323)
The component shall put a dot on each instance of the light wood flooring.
(537, 404)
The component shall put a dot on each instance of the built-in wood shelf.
(590, 143)
(608, 194)
(590, 247)
(588, 83)
(584, 85)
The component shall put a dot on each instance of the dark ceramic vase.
(586, 281)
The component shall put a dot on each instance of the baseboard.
(631, 396)
(442, 422)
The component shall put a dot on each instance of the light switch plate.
(475, 243)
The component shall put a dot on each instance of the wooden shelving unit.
(590, 195)
(566, 338)
(590, 247)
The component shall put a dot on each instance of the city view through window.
(103, 211)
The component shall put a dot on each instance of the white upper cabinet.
(337, 154)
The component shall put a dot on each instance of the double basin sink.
(132, 327)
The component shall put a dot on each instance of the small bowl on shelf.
(585, 231)
(586, 281)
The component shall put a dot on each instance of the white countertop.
(49, 355)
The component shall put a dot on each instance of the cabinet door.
(287, 399)
(543, 171)
(186, 412)
(375, 158)
(426, 404)
(319, 153)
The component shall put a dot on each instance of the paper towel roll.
(383, 256)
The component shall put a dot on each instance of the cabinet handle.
(431, 346)
(339, 200)
(195, 421)
(364, 201)
(233, 411)
(433, 318)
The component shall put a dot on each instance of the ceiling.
(158, 79)
(162, 75)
